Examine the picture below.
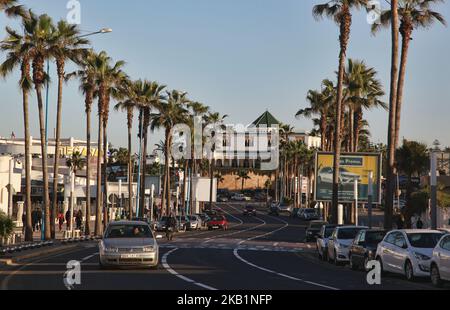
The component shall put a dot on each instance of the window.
(391, 238)
(362, 236)
(424, 240)
(445, 244)
(400, 241)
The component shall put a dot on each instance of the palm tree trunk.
(98, 217)
(167, 168)
(388, 213)
(143, 170)
(130, 176)
(357, 125)
(56, 155)
(351, 126)
(87, 229)
(405, 30)
(183, 195)
(211, 181)
(105, 175)
(47, 233)
(28, 227)
(323, 132)
(345, 25)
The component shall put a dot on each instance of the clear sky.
(242, 57)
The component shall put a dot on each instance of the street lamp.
(101, 31)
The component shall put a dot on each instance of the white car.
(322, 240)
(325, 175)
(408, 252)
(195, 222)
(440, 262)
(340, 241)
(240, 197)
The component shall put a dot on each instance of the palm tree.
(19, 55)
(243, 176)
(413, 14)
(12, 9)
(172, 111)
(339, 11)
(216, 121)
(39, 32)
(108, 78)
(65, 44)
(87, 74)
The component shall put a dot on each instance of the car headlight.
(420, 256)
(148, 249)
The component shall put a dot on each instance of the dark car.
(295, 212)
(364, 247)
(312, 232)
(273, 210)
(249, 210)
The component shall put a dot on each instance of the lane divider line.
(184, 278)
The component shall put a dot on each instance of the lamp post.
(433, 184)
(101, 31)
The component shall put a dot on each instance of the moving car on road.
(285, 208)
(312, 232)
(440, 262)
(129, 243)
(340, 241)
(249, 210)
(322, 240)
(218, 222)
(408, 252)
(364, 247)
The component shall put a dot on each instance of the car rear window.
(348, 233)
(424, 240)
(128, 231)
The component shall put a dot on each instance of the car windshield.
(348, 233)
(329, 231)
(375, 237)
(128, 231)
(424, 240)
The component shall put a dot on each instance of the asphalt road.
(256, 253)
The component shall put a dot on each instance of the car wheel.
(324, 255)
(366, 262)
(353, 266)
(436, 276)
(409, 271)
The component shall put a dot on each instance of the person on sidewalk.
(79, 219)
(34, 219)
(419, 223)
(68, 220)
(39, 219)
(24, 222)
(60, 220)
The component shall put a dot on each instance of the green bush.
(6, 226)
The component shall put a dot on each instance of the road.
(256, 253)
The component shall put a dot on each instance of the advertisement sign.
(353, 166)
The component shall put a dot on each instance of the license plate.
(129, 256)
(215, 226)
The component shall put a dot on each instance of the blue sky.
(242, 57)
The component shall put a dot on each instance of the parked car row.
(412, 253)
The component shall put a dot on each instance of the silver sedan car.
(129, 244)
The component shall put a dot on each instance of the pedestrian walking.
(24, 222)
(68, 220)
(39, 219)
(79, 219)
(400, 222)
(60, 220)
(419, 223)
(34, 219)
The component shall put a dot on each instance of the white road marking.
(184, 278)
(89, 257)
(236, 254)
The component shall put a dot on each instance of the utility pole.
(370, 198)
(433, 184)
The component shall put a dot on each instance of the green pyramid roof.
(266, 119)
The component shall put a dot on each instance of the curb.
(48, 251)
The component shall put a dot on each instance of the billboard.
(353, 166)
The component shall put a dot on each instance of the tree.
(88, 87)
(19, 55)
(65, 44)
(243, 176)
(171, 111)
(339, 11)
(12, 9)
(39, 31)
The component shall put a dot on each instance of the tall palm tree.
(39, 32)
(413, 14)
(12, 9)
(243, 176)
(88, 87)
(109, 77)
(340, 12)
(19, 55)
(172, 111)
(65, 44)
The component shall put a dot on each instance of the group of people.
(36, 219)
(400, 222)
(67, 218)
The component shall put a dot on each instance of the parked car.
(240, 197)
(129, 243)
(312, 232)
(408, 252)
(285, 208)
(364, 247)
(340, 241)
(249, 210)
(322, 240)
(218, 222)
(295, 212)
(204, 218)
(195, 222)
(440, 262)
(221, 198)
(310, 215)
(273, 210)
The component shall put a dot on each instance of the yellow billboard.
(353, 166)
